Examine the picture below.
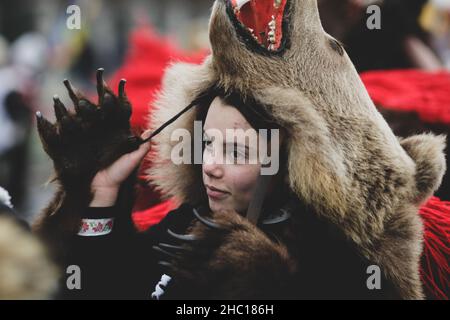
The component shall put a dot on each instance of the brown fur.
(240, 253)
(26, 271)
(407, 123)
(344, 160)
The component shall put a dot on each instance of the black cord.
(169, 122)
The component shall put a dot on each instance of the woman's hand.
(106, 183)
(92, 141)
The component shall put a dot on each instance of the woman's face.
(228, 181)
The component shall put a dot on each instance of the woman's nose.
(211, 166)
(213, 170)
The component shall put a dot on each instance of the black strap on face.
(256, 204)
(255, 207)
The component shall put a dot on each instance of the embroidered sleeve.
(97, 222)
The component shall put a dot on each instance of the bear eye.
(336, 46)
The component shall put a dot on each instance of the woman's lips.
(215, 194)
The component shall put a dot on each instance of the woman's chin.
(217, 206)
(214, 206)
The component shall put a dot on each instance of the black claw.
(46, 129)
(172, 247)
(60, 109)
(73, 96)
(122, 94)
(156, 248)
(100, 85)
(206, 222)
(165, 264)
(42, 122)
(285, 215)
(187, 237)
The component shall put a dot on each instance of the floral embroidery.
(85, 227)
(95, 227)
(109, 224)
(98, 227)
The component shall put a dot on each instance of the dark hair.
(253, 111)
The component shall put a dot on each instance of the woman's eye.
(207, 141)
(208, 146)
(237, 154)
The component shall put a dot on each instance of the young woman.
(339, 220)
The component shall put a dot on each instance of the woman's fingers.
(143, 149)
(137, 156)
(146, 134)
(125, 165)
(121, 169)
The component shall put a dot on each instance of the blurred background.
(38, 50)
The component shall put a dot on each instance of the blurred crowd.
(413, 34)
(37, 51)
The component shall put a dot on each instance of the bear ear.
(427, 151)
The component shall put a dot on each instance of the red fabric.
(146, 218)
(436, 255)
(426, 93)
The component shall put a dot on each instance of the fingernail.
(39, 114)
(146, 134)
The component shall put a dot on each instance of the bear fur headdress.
(343, 159)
